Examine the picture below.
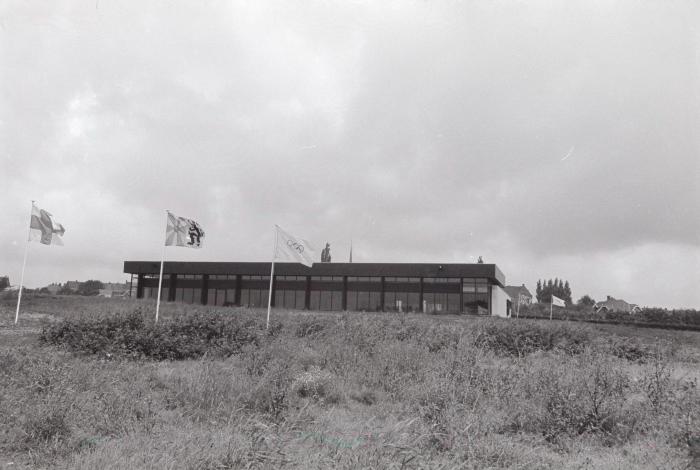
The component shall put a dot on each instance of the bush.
(317, 384)
(519, 339)
(585, 395)
(130, 335)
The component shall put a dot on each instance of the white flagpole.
(24, 264)
(162, 260)
(517, 315)
(272, 276)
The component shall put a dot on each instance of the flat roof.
(474, 270)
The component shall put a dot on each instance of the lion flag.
(44, 228)
(291, 248)
(183, 232)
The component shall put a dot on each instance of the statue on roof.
(326, 254)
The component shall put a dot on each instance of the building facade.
(402, 287)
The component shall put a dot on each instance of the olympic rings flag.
(291, 248)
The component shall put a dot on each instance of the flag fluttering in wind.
(558, 302)
(179, 231)
(555, 301)
(44, 228)
(183, 232)
(291, 248)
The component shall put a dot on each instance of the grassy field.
(91, 383)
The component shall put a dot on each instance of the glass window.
(476, 304)
(257, 298)
(389, 301)
(326, 300)
(453, 303)
(279, 298)
(315, 300)
(300, 300)
(352, 301)
(413, 302)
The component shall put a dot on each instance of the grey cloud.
(423, 130)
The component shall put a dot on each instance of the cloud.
(424, 131)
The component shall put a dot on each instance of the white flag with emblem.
(44, 228)
(183, 232)
(291, 248)
(558, 302)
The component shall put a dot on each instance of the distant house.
(115, 289)
(519, 295)
(616, 305)
(53, 288)
(72, 285)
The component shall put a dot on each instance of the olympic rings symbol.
(298, 247)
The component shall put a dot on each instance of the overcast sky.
(553, 138)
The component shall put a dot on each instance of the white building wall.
(499, 302)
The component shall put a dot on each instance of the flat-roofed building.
(402, 287)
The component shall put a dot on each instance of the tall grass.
(216, 390)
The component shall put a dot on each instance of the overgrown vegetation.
(211, 388)
(135, 336)
(656, 317)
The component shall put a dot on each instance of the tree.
(4, 282)
(90, 287)
(65, 290)
(586, 301)
(557, 287)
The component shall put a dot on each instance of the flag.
(558, 302)
(291, 248)
(351, 251)
(44, 228)
(183, 232)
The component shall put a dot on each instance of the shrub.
(519, 339)
(308, 327)
(269, 395)
(129, 335)
(317, 384)
(630, 349)
(656, 382)
(584, 395)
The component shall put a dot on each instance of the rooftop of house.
(515, 291)
(615, 304)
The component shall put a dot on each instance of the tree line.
(557, 287)
(87, 288)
